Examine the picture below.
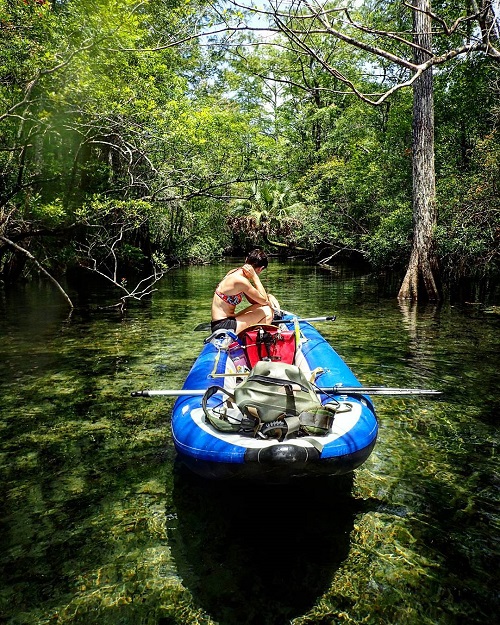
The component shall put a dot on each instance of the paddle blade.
(203, 327)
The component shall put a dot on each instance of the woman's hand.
(249, 272)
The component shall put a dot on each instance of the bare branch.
(24, 251)
(103, 246)
(449, 30)
(383, 33)
(298, 28)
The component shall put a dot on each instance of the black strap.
(240, 423)
(212, 390)
(264, 338)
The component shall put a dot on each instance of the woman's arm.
(256, 293)
(250, 273)
(252, 295)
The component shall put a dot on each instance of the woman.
(229, 293)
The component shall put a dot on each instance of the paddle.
(376, 390)
(333, 390)
(170, 393)
(205, 327)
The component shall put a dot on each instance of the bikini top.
(232, 300)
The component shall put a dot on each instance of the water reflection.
(259, 556)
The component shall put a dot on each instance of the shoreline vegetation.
(128, 151)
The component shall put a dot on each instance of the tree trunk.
(423, 264)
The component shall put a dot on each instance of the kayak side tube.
(361, 437)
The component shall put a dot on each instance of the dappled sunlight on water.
(99, 525)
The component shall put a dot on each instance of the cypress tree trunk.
(423, 264)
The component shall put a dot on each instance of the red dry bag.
(268, 342)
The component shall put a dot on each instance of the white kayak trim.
(343, 423)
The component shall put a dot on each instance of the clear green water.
(99, 525)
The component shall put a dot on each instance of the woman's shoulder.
(233, 279)
(233, 273)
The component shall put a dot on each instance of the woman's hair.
(257, 258)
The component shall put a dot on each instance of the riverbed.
(101, 525)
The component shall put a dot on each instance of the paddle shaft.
(333, 390)
(169, 393)
(330, 318)
(205, 327)
(376, 390)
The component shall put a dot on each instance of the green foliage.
(271, 214)
(51, 214)
(191, 151)
(464, 102)
(364, 190)
(468, 233)
(200, 234)
(91, 114)
(349, 165)
(467, 155)
(201, 249)
(389, 245)
(115, 235)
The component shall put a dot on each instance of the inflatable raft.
(270, 404)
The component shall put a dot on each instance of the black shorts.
(229, 323)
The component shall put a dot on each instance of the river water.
(100, 525)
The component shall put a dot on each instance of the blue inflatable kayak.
(274, 409)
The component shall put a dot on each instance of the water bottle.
(238, 356)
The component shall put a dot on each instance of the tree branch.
(24, 251)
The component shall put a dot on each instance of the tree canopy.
(137, 135)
